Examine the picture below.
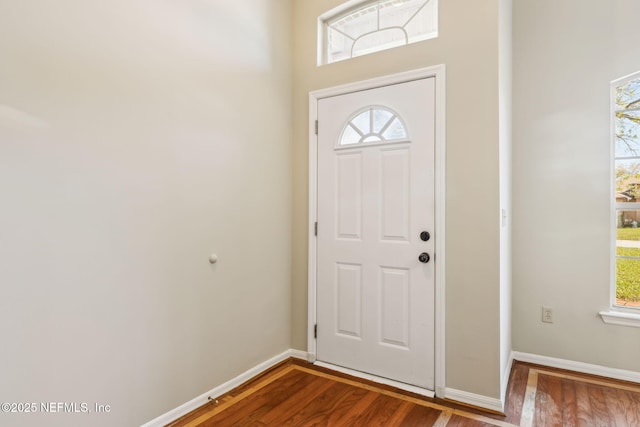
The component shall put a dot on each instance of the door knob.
(425, 236)
(424, 257)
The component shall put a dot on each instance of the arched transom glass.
(376, 25)
(373, 125)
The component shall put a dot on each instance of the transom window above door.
(374, 124)
(359, 28)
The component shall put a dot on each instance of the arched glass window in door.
(374, 124)
(376, 25)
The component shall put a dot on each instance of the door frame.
(437, 72)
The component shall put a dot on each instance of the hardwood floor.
(560, 398)
(295, 393)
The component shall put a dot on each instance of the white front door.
(375, 244)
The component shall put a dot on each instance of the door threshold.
(380, 380)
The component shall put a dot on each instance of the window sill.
(619, 318)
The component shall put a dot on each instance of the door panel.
(375, 299)
(349, 195)
(394, 306)
(349, 299)
(394, 197)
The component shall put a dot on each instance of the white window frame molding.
(617, 315)
(438, 72)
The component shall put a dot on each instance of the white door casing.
(375, 300)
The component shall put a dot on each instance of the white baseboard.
(478, 400)
(585, 368)
(505, 379)
(569, 365)
(299, 354)
(482, 401)
(189, 406)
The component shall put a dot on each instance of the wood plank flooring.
(560, 398)
(299, 394)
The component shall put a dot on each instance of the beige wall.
(565, 55)
(136, 138)
(125, 159)
(468, 45)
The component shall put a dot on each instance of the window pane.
(627, 181)
(397, 13)
(338, 46)
(372, 138)
(424, 24)
(627, 133)
(349, 136)
(627, 95)
(628, 228)
(628, 279)
(363, 122)
(359, 22)
(395, 131)
(628, 269)
(380, 40)
(380, 119)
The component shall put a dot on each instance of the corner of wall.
(505, 88)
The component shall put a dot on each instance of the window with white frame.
(626, 140)
(374, 124)
(375, 25)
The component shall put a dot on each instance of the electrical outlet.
(547, 314)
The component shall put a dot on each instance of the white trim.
(505, 379)
(438, 72)
(481, 401)
(626, 79)
(473, 399)
(361, 145)
(613, 317)
(441, 198)
(613, 232)
(298, 354)
(585, 368)
(621, 318)
(195, 403)
(406, 76)
(339, 9)
(313, 218)
(380, 380)
(322, 31)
